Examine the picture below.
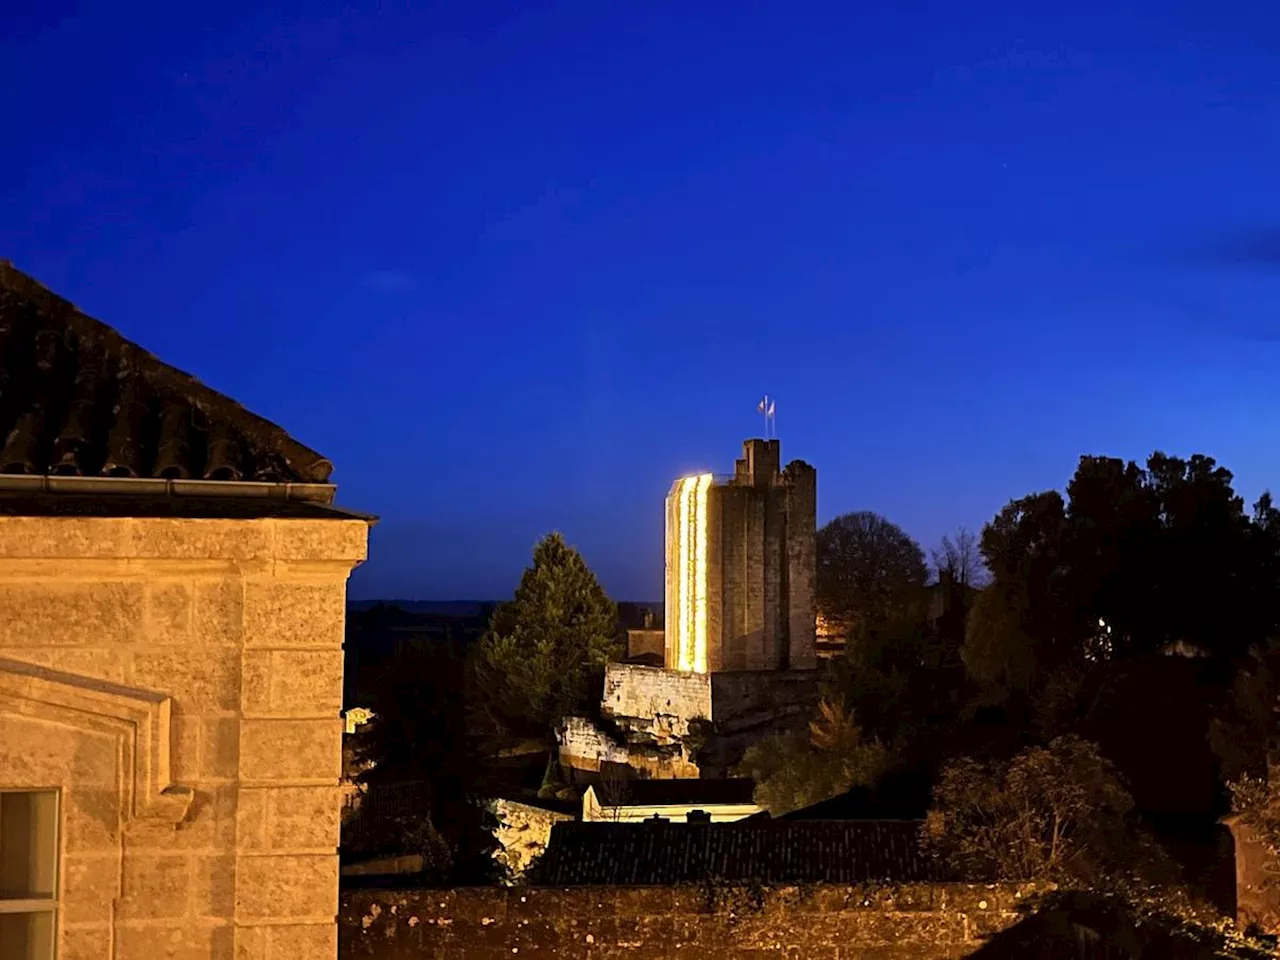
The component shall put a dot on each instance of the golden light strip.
(688, 493)
(690, 573)
(682, 573)
(700, 577)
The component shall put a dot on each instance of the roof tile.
(754, 850)
(77, 398)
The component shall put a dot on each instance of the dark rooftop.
(754, 850)
(78, 399)
(680, 792)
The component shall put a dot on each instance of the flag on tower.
(763, 405)
(773, 408)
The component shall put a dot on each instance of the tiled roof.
(755, 850)
(681, 792)
(77, 398)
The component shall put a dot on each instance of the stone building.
(172, 597)
(675, 800)
(738, 640)
(741, 564)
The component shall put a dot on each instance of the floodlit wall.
(179, 682)
(648, 692)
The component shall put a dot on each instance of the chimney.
(699, 816)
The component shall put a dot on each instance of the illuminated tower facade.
(741, 560)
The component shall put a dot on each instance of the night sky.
(516, 266)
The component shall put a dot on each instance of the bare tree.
(612, 790)
(960, 559)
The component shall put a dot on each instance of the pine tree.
(546, 645)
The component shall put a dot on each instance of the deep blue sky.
(515, 266)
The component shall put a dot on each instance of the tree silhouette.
(546, 645)
(870, 572)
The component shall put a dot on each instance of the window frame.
(52, 904)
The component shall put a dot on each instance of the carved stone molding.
(141, 719)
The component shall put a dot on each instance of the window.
(28, 874)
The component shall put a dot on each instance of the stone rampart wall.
(912, 922)
(636, 691)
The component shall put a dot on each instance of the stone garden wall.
(918, 921)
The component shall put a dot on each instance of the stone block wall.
(522, 834)
(631, 690)
(801, 508)
(586, 749)
(729, 641)
(224, 637)
(911, 922)
(653, 709)
(746, 699)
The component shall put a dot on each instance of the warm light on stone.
(179, 683)
(689, 564)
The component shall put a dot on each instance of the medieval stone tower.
(738, 647)
(740, 566)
